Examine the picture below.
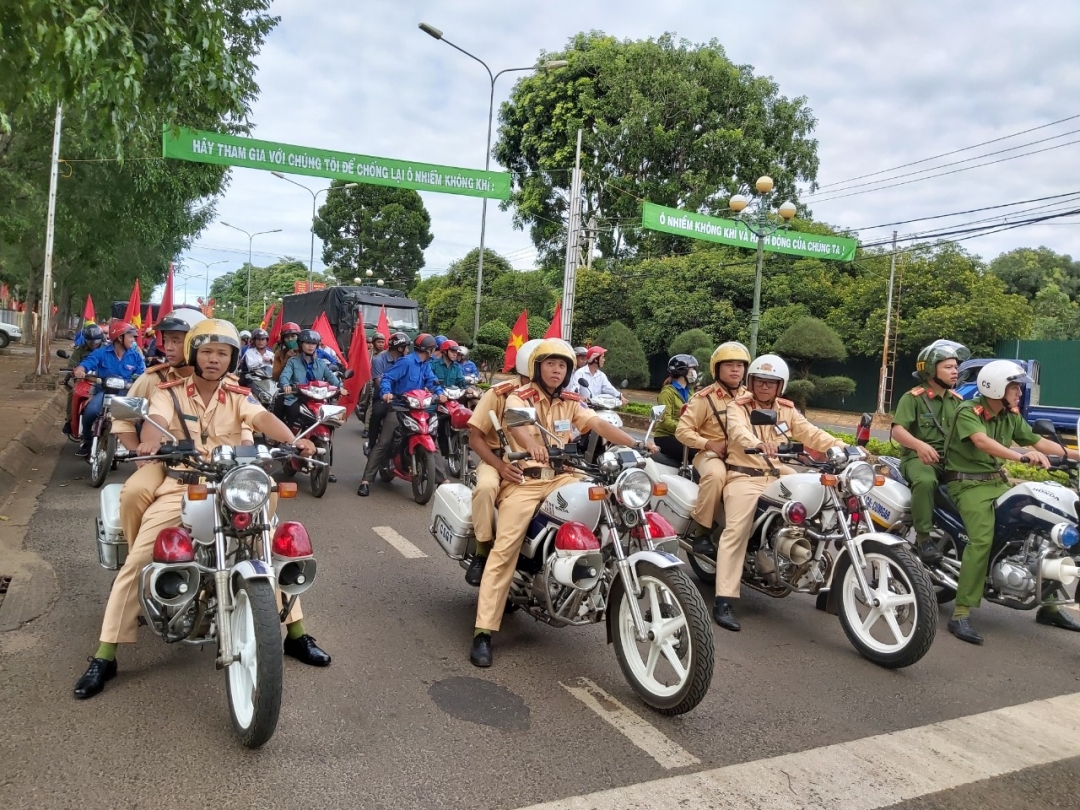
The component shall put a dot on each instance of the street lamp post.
(434, 32)
(314, 196)
(250, 236)
(759, 219)
(206, 291)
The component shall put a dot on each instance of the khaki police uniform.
(703, 420)
(928, 417)
(748, 475)
(488, 480)
(518, 502)
(211, 424)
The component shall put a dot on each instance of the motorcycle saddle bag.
(451, 519)
(111, 543)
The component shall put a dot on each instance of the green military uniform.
(975, 496)
(928, 417)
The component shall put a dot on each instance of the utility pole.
(573, 236)
(592, 242)
(883, 381)
(45, 307)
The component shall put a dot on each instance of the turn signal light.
(576, 537)
(597, 494)
(286, 489)
(879, 480)
(196, 492)
(658, 528)
(659, 489)
(828, 480)
(291, 540)
(174, 545)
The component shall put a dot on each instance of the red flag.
(133, 313)
(166, 305)
(4, 295)
(359, 365)
(384, 324)
(268, 316)
(88, 312)
(555, 330)
(518, 336)
(275, 332)
(322, 326)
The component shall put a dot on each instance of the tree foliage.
(625, 357)
(377, 228)
(268, 284)
(809, 340)
(1026, 271)
(664, 120)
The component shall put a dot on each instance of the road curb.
(22, 451)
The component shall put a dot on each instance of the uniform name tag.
(781, 428)
(562, 425)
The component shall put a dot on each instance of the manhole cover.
(480, 701)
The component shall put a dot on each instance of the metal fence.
(1058, 360)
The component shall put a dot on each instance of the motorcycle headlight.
(245, 489)
(859, 478)
(1065, 535)
(633, 488)
(115, 383)
(433, 424)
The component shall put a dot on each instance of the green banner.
(232, 150)
(733, 232)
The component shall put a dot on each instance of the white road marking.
(870, 773)
(666, 752)
(407, 549)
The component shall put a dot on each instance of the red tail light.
(291, 540)
(576, 537)
(241, 520)
(794, 512)
(174, 545)
(853, 504)
(658, 527)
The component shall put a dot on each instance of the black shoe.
(929, 553)
(305, 649)
(1057, 618)
(364, 433)
(367, 450)
(93, 680)
(705, 547)
(331, 479)
(363, 490)
(83, 451)
(475, 572)
(480, 655)
(725, 615)
(962, 629)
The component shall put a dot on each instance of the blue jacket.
(104, 363)
(450, 376)
(298, 372)
(408, 373)
(469, 368)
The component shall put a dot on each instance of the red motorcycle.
(413, 451)
(319, 418)
(453, 432)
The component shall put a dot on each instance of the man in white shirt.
(258, 353)
(591, 373)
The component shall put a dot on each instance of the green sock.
(482, 549)
(480, 631)
(961, 612)
(921, 538)
(1050, 608)
(106, 651)
(295, 630)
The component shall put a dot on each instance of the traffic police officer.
(922, 420)
(983, 433)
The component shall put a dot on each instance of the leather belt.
(990, 476)
(543, 473)
(753, 472)
(186, 477)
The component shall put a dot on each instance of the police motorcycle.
(1036, 547)
(593, 553)
(812, 534)
(213, 579)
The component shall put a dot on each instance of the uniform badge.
(562, 425)
(781, 428)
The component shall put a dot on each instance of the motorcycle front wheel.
(101, 459)
(453, 458)
(253, 682)
(899, 630)
(672, 669)
(320, 476)
(423, 479)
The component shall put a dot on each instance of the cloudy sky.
(890, 84)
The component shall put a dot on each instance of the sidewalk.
(27, 416)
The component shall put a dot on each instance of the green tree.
(537, 327)
(600, 297)
(1026, 271)
(690, 341)
(664, 120)
(268, 284)
(807, 341)
(625, 357)
(1056, 317)
(491, 343)
(377, 228)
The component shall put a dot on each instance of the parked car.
(9, 332)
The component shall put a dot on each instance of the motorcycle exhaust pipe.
(794, 546)
(1063, 569)
(939, 577)
(580, 571)
(294, 574)
(174, 585)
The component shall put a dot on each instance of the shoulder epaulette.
(918, 390)
(158, 367)
(527, 393)
(744, 400)
(1014, 410)
(978, 410)
(237, 389)
(503, 388)
(570, 396)
(704, 392)
(956, 394)
(787, 403)
(171, 383)
(233, 378)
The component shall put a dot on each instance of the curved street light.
(314, 197)
(250, 236)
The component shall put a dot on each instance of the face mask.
(291, 344)
(691, 377)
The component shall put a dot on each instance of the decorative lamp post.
(314, 197)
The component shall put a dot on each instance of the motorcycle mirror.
(583, 383)
(130, 409)
(658, 412)
(1044, 427)
(348, 374)
(332, 415)
(762, 416)
(62, 353)
(519, 417)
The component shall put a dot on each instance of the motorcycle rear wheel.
(453, 458)
(676, 614)
(253, 683)
(320, 476)
(900, 631)
(101, 459)
(423, 480)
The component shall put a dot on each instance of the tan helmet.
(547, 349)
(725, 352)
(524, 354)
(211, 330)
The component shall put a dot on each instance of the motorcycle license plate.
(443, 530)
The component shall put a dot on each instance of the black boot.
(475, 571)
(703, 544)
(480, 655)
(724, 614)
(93, 680)
(305, 649)
(928, 552)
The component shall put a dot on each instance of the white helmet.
(524, 354)
(995, 377)
(463, 352)
(245, 334)
(769, 367)
(190, 316)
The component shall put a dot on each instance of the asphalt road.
(402, 720)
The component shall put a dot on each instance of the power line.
(968, 211)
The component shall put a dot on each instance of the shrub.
(799, 392)
(689, 341)
(457, 334)
(537, 327)
(625, 357)
(491, 346)
(808, 340)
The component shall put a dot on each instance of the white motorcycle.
(214, 578)
(811, 534)
(593, 553)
